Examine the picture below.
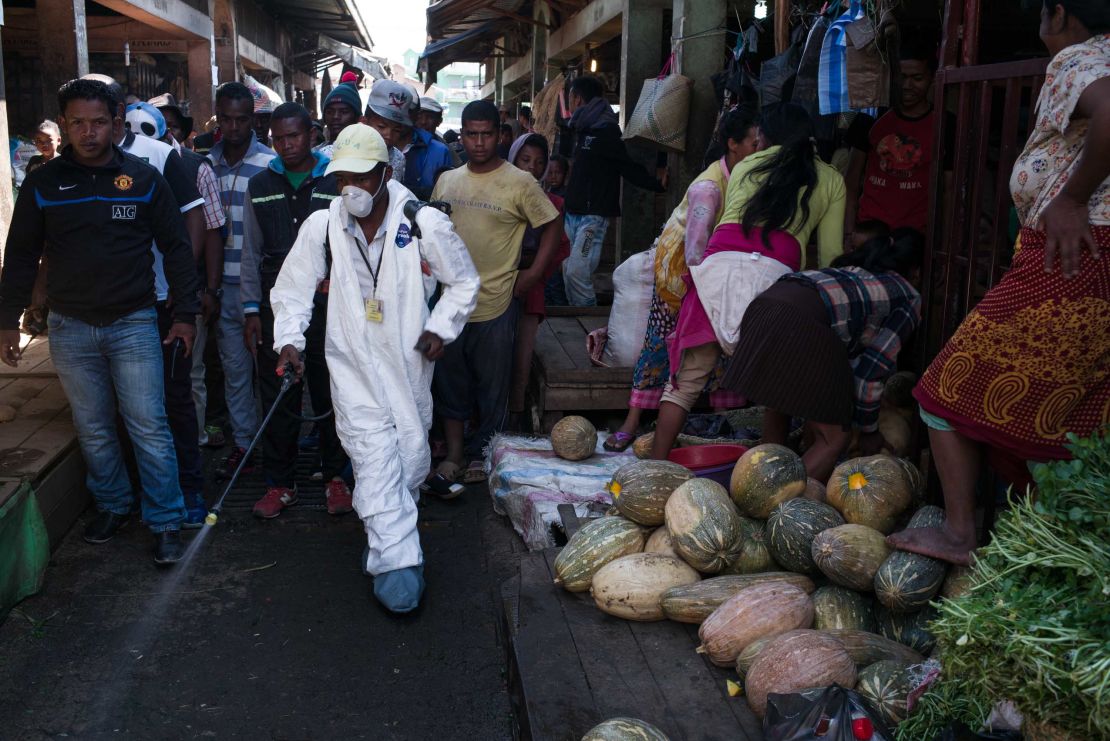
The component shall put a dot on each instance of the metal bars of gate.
(969, 246)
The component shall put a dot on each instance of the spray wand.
(288, 378)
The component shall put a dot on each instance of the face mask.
(359, 203)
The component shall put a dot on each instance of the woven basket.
(662, 112)
(545, 109)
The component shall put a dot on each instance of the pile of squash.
(791, 581)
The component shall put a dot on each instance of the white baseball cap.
(358, 148)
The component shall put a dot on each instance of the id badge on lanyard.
(374, 310)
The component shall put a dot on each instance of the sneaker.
(339, 497)
(229, 464)
(276, 499)
(195, 512)
(214, 437)
(167, 548)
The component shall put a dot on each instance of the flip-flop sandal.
(618, 442)
(475, 473)
(448, 470)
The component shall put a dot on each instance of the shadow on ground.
(271, 634)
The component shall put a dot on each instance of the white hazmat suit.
(381, 385)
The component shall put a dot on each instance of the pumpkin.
(839, 608)
(641, 489)
(794, 661)
(870, 491)
(625, 729)
(695, 602)
(630, 587)
(574, 438)
(898, 390)
(753, 556)
(748, 656)
(914, 480)
(850, 555)
(597, 543)
(895, 429)
(765, 476)
(815, 490)
(704, 525)
(866, 648)
(957, 583)
(642, 446)
(660, 542)
(754, 612)
(908, 628)
(906, 582)
(791, 529)
(886, 686)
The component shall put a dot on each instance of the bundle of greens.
(1035, 626)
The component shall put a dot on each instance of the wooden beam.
(594, 23)
(782, 25)
(520, 18)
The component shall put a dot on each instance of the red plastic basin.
(707, 456)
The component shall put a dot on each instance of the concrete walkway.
(271, 633)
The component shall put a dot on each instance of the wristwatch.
(214, 292)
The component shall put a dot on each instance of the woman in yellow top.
(683, 239)
(776, 200)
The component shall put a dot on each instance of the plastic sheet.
(823, 714)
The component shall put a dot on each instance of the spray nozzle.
(210, 520)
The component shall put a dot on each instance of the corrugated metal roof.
(448, 18)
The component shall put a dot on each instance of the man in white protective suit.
(381, 341)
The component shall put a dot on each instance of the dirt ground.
(270, 633)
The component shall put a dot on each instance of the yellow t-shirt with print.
(490, 211)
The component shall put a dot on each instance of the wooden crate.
(571, 666)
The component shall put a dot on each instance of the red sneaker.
(339, 497)
(276, 499)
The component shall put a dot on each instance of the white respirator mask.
(359, 203)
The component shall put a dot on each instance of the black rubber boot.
(104, 526)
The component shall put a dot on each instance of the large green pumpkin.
(866, 648)
(597, 543)
(886, 686)
(791, 529)
(870, 491)
(641, 489)
(906, 582)
(704, 525)
(850, 555)
(753, 556)
(840, 608)
(765, 476)
(625, 729)
(908, 628)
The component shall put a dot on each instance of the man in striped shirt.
(236, 158)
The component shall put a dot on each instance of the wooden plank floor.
(573, 666)
(35, 362)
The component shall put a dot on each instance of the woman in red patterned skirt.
(1031, 362)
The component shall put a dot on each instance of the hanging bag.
(661, 114)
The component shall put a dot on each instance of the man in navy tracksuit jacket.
(94, 212)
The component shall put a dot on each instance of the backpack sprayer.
(289, 377)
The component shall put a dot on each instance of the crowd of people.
(189, 283)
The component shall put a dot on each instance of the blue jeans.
(585, 233)
(238, 368)
(120, 363)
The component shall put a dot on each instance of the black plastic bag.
(822, 714)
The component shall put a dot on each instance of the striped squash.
(748, 656)
(908, 628)
(841, 608)
(753, 556)
(906, 582)
(755, 612)
(704, 525)
(641, 489)
(886, 686)
(850, 555)
(765, 476)
(625, 729)
(597, 543)
(957, 583)
(660, 542)
(870, 491)
(791, 529)
(574, 438)
(693, 603)
(866, 648)
(794, 661)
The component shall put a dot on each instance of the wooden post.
(81, 37)
(782, 25)
(64, 48)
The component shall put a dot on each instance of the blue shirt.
(425, 158)
(233, 181)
